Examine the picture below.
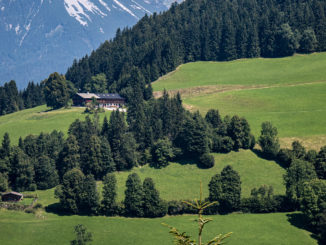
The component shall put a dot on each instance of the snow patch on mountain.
(140, 7)
(125, 9)
(105, 5)
(75, 8)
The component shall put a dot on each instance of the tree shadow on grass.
(56, 208)
(300, 221)
(260, 154)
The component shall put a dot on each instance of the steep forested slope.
(205, 30)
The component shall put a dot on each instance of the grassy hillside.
(290, 92)
(46, 228)
(288, 70)
(39, 119)
(253, 171)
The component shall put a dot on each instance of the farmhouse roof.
(13, 193)
(87, 95)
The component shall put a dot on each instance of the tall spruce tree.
(46, 175)
(268, 139)
(22, 173)
(134, 195)
(89, 202)
(231, 190)
(109, 194)
(70, 192)
(153, 205)
(320, 163)
(69, 156)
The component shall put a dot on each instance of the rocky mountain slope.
(42, 36)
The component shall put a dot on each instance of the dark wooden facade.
(103, 100)
(12, 197)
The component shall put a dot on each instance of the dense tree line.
(201, 30)
(12, 100)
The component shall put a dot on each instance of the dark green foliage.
(3, 182)
(109, 194)
(239, 131)
(70, 191)
(10, 100)
(320, 163)
(97, 84)
(33, 95)
(91, 162)
(106, 159)
(231, 189)
(299, 172)
(123, 145)
(226, 189)
(89, 202)
(206, 161)
(105, 128)
(193, 139)
(308, 41)
(5, 149)
(46, 175)
(311, 156)
(82, 236)
(286, 41)
(134, 195)
(314, 199)
(162, 153)
(285, 156)
(262, 200)
(78, 193)
(268, 140)
(213, 118)
(153, 205)
(321, 227)
(215, 188)
(21, 171)
(298, 150)
(56, 91)
(69, 157)
(227, 144)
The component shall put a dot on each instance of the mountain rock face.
(38, 37)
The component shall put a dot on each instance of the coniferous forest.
(207, 30)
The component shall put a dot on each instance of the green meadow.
(181, 181)
(274, 71)
(47, 228)
(40, 119)
(290, 92)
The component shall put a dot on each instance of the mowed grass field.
(40, 119)
(181, 181)
(255, 229)
(290, 92)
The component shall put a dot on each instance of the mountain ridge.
(43, 36)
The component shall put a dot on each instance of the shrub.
(38, 205)
(285, 156)
(227, 144)
(206, 161)
(29, 210)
